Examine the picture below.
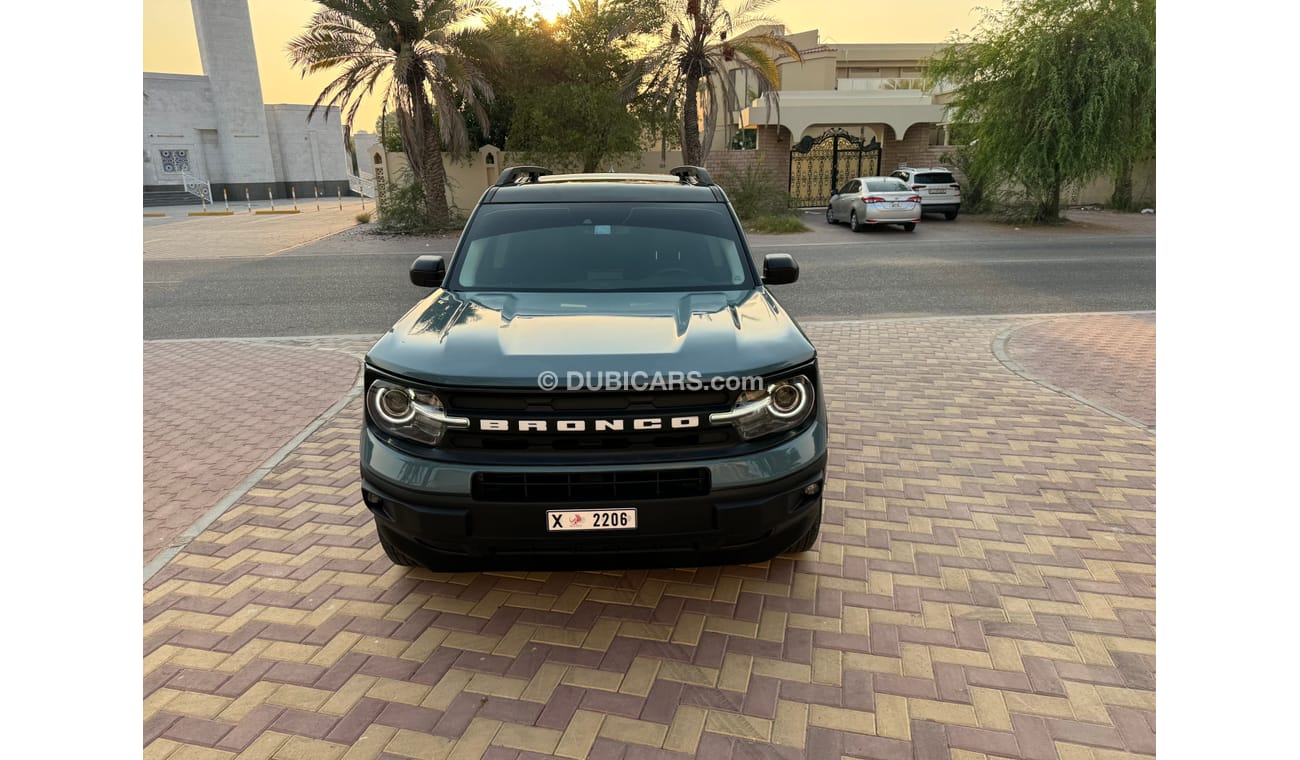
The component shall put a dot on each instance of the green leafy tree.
(427, 58)
(389, 133)
(1053, 92)
(583, 117)
(659, 113)
(532, 58)
(697, 46)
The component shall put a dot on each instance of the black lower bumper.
(735, 525)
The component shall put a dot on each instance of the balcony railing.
(881, 84)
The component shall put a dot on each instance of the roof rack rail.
(699, 174)
(519, 175)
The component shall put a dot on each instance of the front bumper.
(756, 508)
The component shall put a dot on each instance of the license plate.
(895, 205)
(590, 519)
(934, 191)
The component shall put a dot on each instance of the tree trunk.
(1052, 206)
(1122, 198)
(433, 175)
(420, 139)
(691, 148)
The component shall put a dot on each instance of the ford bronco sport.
(600, 377)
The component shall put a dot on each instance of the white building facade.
(216, 129)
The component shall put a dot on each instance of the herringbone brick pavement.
(983, 588)
(214, 411)
(1108, 359)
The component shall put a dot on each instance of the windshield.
(934, 178)
(600, 247)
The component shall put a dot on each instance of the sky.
(170, 45)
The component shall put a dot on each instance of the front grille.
(590, 442)
(532, 405)
(563, 487)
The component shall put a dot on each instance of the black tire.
(950, 215)
(395, 555)
(806, 541)
(909, 226)
(853, 222)
(830, 219)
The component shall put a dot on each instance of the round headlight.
(788, 399)
(395, 405)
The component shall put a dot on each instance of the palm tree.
(426, 59)
(698, 45)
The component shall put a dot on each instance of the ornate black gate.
(821, 165)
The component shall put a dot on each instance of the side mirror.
(834, 194)
(779, 269)
(428, 271)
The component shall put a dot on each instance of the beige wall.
(816, 72)
(467, 178)
(1099, 190)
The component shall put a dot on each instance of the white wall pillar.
(225, 33)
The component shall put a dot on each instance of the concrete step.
(170, 198)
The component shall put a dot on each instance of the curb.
(211, 213)
(277, 211)
(1000, 352)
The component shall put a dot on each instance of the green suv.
(600, 377)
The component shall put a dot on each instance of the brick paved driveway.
(1110, 360)
(214, 412)
(983, 587)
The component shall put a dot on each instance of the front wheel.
(806, 541)
(829, 218)
(853, 222)
(395, 555)
(909, 226)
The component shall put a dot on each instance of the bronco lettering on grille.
(632, 424)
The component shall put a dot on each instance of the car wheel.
(950, 215)
(395, 555)
(807, 540)
(829, 219)
(853, 222)
(909, 226)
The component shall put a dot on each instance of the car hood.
(507, 340)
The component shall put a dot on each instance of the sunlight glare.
(547, 9)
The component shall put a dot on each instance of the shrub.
(754, 192)
(363, 217)
(401, 206)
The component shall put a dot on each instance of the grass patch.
(363, 217)
(775, 224)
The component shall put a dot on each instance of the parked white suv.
(940, 193)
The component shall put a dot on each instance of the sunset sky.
(170, 46)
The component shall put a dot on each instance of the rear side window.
(886, 185)
(934, 178)
(586, 247)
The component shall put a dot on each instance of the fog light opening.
(812, 489)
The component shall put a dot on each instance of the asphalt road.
(882, 273)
